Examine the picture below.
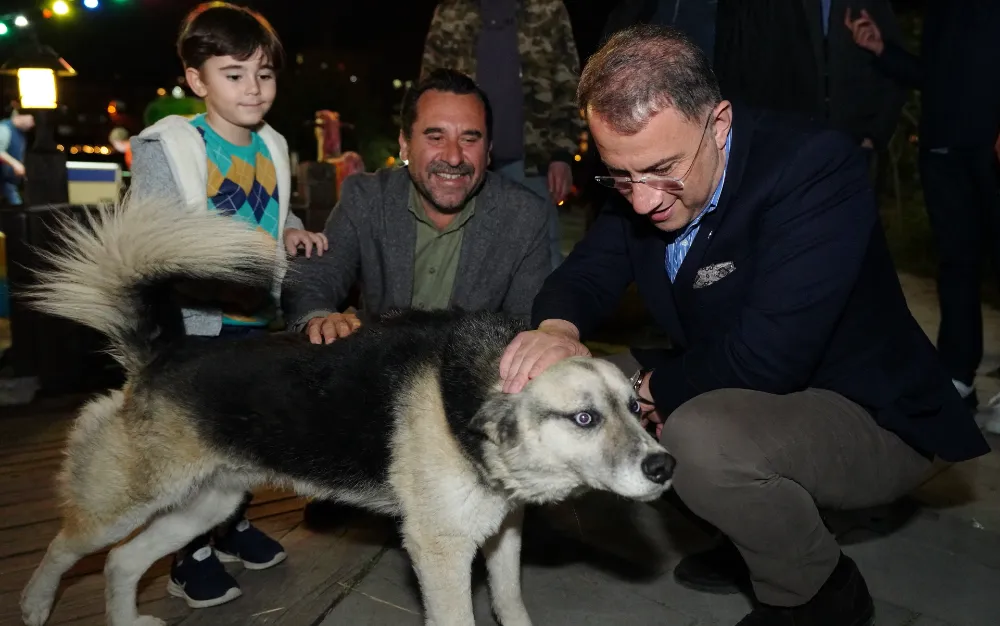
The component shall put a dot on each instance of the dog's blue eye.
(634, 407)
(583, 419)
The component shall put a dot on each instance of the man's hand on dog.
(332, 327)
(533, 351)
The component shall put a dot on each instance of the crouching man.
(798, 379)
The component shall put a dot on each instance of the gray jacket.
(503, 261)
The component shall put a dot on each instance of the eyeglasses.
(669, 184)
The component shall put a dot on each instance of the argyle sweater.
(242, 183)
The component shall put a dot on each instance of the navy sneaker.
(201, 580)
(248, 545)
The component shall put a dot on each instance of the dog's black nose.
(659, 467)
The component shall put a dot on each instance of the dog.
(405, 417)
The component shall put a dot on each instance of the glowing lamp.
(37, 87)
(36, 68)
(59, 7)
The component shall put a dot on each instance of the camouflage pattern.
(550, 71)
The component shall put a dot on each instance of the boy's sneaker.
(248, 545)
(201, 580)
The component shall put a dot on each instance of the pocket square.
(711, 274)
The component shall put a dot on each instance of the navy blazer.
(813, 299)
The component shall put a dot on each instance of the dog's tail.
(115, 270)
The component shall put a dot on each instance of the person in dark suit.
(959, 137)
(797, 378)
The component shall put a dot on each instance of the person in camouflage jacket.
(549, 73)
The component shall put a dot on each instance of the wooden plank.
(29, 445)
(20, 493)
(27, 513)
(20, 477)
(27, 538)
(31, 457)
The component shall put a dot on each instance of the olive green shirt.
(435, 260)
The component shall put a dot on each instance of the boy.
(227, 160)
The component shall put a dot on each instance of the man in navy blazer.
(798, 378)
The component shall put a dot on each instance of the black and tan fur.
(404, 417)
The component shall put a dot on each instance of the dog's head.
(573, 427)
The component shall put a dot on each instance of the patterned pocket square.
(711, 274)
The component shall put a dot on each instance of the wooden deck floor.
(318, 573)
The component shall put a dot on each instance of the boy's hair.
(447, 81)
(217, 29)
(118, 133)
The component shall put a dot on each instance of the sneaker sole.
(178, 592)
(232, 558)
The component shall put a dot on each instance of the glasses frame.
(675, 185)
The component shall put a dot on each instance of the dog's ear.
(496, 419)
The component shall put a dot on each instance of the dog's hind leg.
(444, 570)
(92, 517)
(167, 533)
(503, 565)
(68, 547)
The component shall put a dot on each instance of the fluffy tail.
(114, 271)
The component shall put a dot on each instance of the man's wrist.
(561, 156)
(560, 327)
(302, 322)
(639, 381)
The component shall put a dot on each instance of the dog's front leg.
(503, 564)
(444, 569)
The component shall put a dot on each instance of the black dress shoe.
(843, 600)
(720, 570)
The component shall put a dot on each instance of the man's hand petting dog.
(534, 351)
(332, 327)
(295, 237)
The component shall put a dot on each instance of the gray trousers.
(759, 466)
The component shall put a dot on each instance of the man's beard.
(440, 167)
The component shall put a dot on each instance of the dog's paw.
(149, 620)
(35, 612)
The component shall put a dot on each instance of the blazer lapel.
(479, 234)
(739, 150)
(400, 239)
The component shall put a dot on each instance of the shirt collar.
(417, 209)
(714, 200)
